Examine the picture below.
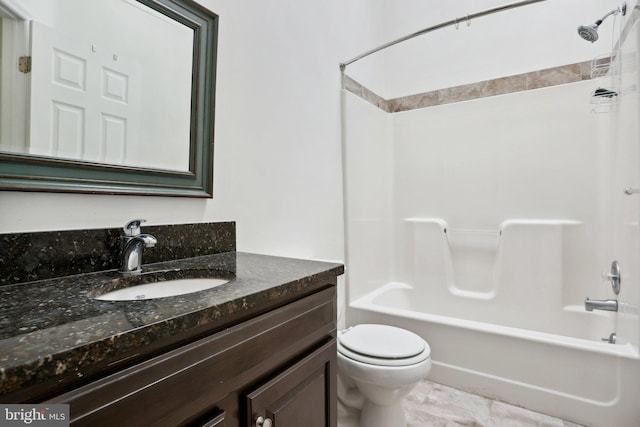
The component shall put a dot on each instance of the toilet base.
(373, 415)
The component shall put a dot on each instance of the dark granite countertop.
(54, 334)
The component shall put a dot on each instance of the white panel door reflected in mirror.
(110, 83)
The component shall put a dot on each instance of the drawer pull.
(263, 422)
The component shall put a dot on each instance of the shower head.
(590, 32)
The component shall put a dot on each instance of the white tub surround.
(481, 215)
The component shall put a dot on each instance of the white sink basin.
(167, 288)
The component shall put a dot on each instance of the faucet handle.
(133, 227)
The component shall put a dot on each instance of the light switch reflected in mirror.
(122, 89)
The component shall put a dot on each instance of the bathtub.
(563, 370)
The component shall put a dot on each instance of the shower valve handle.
(608, 276)
(614, 277)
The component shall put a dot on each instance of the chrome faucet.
(133, 242)
(606, 305)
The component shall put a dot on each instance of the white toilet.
(384, 363)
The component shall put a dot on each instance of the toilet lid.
(383, 342)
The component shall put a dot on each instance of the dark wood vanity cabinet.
(279, 365)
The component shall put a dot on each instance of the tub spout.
(607, 305)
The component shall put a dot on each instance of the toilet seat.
(383, 345)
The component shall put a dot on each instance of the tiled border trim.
(517, 83)
(365, 93)
(563, 74)
(501, 86)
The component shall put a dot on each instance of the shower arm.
(456, 21)
(620, 9)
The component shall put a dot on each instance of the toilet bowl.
(378, 366)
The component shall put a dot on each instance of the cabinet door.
(302, 395)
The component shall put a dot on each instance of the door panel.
(84, 100)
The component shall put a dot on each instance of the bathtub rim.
(365, 302)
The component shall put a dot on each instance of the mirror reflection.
(108, 82)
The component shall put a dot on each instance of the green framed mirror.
(121, 102)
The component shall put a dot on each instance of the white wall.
(277, 136)
(533, 37)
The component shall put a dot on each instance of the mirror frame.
(21, 172)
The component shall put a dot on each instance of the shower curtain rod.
(456, 21)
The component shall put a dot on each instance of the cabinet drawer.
(183, 385)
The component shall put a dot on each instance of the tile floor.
(434, 405)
